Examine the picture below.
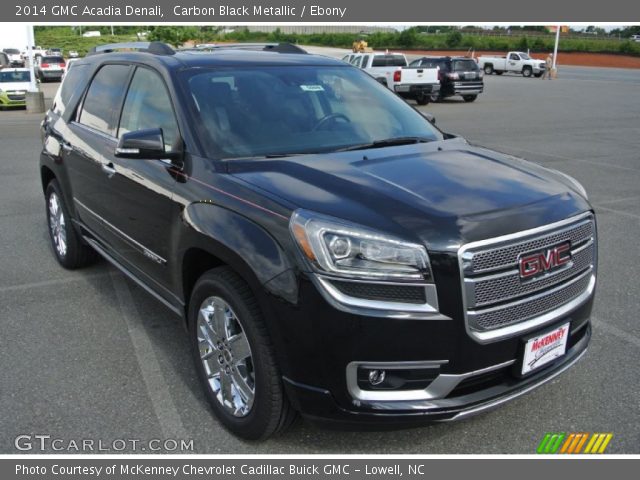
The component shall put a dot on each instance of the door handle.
(66, 147)
(109, 169)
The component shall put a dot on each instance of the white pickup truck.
(515, 62)
(392, 70)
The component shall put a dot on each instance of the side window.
(103, 98)
(148, 106)
(365, 61)
(74, 79)
(513, 56)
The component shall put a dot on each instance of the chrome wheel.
(226, 356)
(57, 225)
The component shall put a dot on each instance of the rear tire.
(235, 358)
(68, 247)
(423, 99)
(469, 98)
(488, 69)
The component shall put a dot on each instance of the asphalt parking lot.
(87, 354)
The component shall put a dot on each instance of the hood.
(13, 86)
(444, 192)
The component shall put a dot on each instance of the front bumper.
(9, 99)
(320, 406)
(321, 343)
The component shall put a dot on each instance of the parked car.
(50, 68)
(55, 52)
(73, 54)
(458, 76)
(14, 84)
(514, 62)
(4, 60)
(15, 58)
(330, 251)
(392, 70)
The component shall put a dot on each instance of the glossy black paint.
(165, 221)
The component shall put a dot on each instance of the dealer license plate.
(545, 348)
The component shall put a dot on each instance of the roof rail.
(156, 48)
(265, 47)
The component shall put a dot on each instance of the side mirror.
(430, 118)
(143, 145)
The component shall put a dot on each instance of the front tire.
(527, 72)
(469, 98)
(234, 357)
(68, 247)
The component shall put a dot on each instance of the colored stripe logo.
(574, 443)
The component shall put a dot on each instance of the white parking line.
(157, 388)
(49, 283)
(619, 212)
(561, 157)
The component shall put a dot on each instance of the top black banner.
(319, 11)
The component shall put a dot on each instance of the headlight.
(341, 248)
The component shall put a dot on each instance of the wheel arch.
(46, 175)
(214, 236)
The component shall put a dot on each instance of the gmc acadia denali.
(331, 252)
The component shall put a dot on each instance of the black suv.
(458, 76)
(330, 250)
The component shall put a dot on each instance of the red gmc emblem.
(534, 264)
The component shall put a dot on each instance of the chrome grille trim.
(498, 304)
(507, 286)
(499, 258)
(506, 314)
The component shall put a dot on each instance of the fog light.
(376, 377)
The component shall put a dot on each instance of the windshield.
(11, 51)
(9, 77)
(283, 110)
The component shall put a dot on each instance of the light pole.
(555, 48)
(34, 97)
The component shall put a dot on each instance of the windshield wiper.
(387, 142)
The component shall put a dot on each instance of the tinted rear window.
(52, 60)
(465, 65)
(389, 61)
(12, 51)
(431, 63)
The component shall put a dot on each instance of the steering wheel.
(332, 117)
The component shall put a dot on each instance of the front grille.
(383, 292)
(496, 296)
(14, 97)
(528, 309)
(506, 256)
(506, 287)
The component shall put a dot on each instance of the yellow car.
(14, 84)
